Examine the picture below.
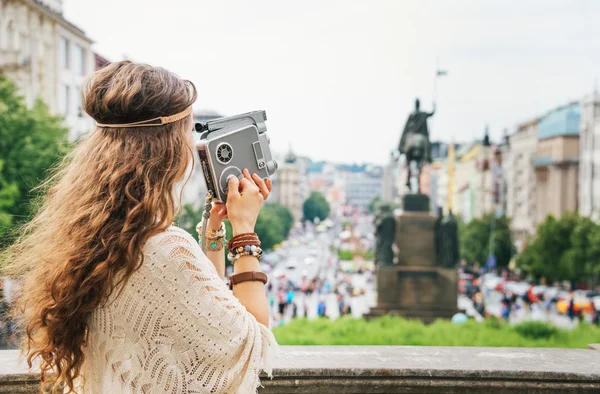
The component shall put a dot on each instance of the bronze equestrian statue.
(415, 144)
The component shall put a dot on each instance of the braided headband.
(151, 122)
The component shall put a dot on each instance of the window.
(78, 103)
(64, 52)
(63, 99)
(79, 57)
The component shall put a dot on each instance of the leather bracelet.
(243, 240)
(250, 276)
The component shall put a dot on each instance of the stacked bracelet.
(243, 240)
(211, 234)
(246, 244)
(216, 238)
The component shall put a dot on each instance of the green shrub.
(345, 255)
(536, 330)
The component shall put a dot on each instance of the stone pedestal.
(415, 239)
(416, 287)
(425, 293)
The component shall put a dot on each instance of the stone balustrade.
(402, 369)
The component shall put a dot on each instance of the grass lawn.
(396, 331)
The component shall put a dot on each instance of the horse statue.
(415, 144)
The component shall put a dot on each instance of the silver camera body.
(228, 145)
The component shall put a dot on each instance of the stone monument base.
(416, 287)
(424, 293)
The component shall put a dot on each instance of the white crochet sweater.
(175, 328)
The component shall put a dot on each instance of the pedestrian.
(505, 310)
(571, 308)
(595, 315)
(282, 302)
(322, 308)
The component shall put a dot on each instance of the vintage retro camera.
(228, 145)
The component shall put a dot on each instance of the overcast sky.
(338, 78)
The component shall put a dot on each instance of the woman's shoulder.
(173, 238)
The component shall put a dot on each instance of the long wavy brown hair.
(100, 206)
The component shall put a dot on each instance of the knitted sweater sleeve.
(216, 343)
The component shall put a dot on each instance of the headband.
(151, 122)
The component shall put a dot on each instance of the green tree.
(32, 141)
(284, 214)
(273, 225)
(374, 204)
(315, 206)
(564, 249)
(475, 239)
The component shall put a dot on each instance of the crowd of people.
(524, 299)
(332, 294)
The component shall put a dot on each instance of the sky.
(339, 78)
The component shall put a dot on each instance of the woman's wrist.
(237, 230)
(214, 224)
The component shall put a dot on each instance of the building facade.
(391, 172)
(47, 57)
(287, 183)
(556, 162)
(521, 181)
(589, 157)
(362, 188)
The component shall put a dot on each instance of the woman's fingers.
(269, 183)
(223, 213)
(247, 174)
(247, 186)
(232, 188)
(262, 187)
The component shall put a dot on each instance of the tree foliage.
(273, 225)
(315, 206)
(374, 204)
(475, 240)
(32, 141)
(564, 249)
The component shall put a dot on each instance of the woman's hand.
(219, 210)
(217, 214)
(244, 200)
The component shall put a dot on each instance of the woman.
(117, 300)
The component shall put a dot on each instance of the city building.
(287, 183)
(589, 157)
(521, 181)
(362, 188)
(556, 162)
(463, 188)
(482, 184)
(390, 192)
(438, 186)
(47, 57)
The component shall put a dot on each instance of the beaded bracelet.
(216, 237)
(248, 250)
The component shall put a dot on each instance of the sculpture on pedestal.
(385, 234)
(421, 281)
(447, 246)
(415, 144)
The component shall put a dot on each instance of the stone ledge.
(402, 369)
